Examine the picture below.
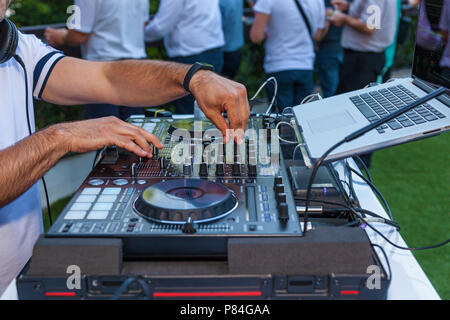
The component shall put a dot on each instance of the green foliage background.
(42, 12)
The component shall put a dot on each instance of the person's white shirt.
(21, 220)
(116, 28)
(189, 27)
(289, 45)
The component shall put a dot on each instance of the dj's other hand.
(91, 135)
(216, 95)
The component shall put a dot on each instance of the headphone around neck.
(9, 38)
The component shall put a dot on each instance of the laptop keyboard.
(378, 104)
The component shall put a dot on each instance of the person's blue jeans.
(94, 111)
(213, 57)
(293, 87)
(329, 68)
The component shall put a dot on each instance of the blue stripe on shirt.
(40, 66)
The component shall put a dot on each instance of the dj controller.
(205, 220)
(190, 198)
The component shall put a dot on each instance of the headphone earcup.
(9, 38)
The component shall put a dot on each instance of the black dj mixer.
(185, 206)
(204, 220)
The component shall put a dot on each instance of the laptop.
(325, 122)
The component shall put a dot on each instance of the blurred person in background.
(330, 55)
(233, 29)
(390, 51)
(110, 30)
(364, 43)
(192, 32)
(444, 26)
(290, 45)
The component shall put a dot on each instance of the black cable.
(387, 262)
(22, 64)
(386, 221)
(311, 181)
(443, 243)
(124, 286)
(364, 167)
(350, 185)
(374, 189)
(391, 223)
(360, 133)
(49, 211)
(352, 196)
(363, 211)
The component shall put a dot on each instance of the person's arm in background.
(258, 30)
(164, 20)
(321, 33)
(358, 23)
(75, 37)
(64, 37)
(323, 24)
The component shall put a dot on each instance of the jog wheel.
(175, 201)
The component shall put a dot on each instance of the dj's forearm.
(24, 163)
(132, 83)
(145, 83)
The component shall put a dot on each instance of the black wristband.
(193, 70)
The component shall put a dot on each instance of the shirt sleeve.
(366, 15)
(40, 60)
(322, 15)
(263, 6)
(88, 10)
(164, 20)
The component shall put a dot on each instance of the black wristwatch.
(193, 70)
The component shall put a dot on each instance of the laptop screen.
(432, 53)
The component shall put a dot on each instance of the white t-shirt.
(288, 44)
(116, 28)
(383, 37)
(21, 220)
(189, 27)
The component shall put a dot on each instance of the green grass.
(415, 180)
(56, 208)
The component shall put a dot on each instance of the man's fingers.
(147, 135)
(220, 123)
(236, 122)
(244, 106)
(135, 134)
(151, 138)
(144, 137)
(129, 145)
(238, 113)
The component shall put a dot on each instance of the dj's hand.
(91, 135)
(216, 95)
